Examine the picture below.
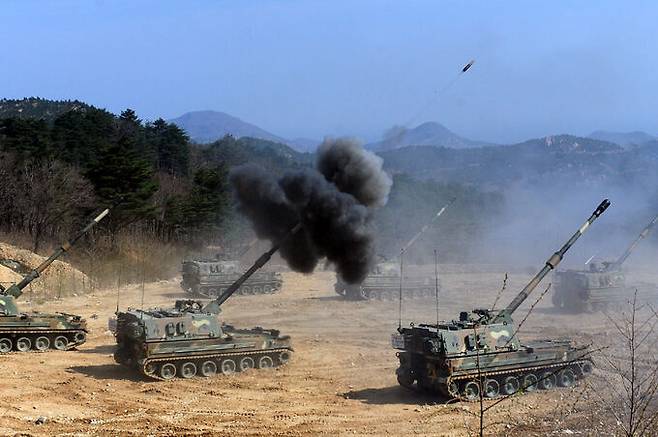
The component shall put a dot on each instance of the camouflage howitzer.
(210, 278)
(383, 282)
(40, 331)
(456, 357)
(601, 284)
(189, 339)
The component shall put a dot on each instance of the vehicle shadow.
(108, 372)
(395, 395)
(104, 349)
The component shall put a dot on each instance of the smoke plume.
(334, 203)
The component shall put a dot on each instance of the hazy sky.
(311, 68)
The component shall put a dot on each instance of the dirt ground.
(341, 380)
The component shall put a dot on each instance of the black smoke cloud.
(334, 204)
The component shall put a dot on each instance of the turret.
(551, 263)
(617, 264)
(14, 291)
(213, 307)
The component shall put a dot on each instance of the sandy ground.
(341, 380)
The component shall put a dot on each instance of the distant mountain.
(426, 134)
(625, 139)
(38, 108)
(209, 126)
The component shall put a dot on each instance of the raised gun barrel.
(643, 234)
(553, 261)
(15, 290)
(213, 306)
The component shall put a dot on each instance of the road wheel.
(42, 343)
(61, 343)
(530, 382)
(585, 369)
(188, 370)
(471, 390)
(228, 366)
(546, 381)
(23, 344)
(80, 337)
(167, 371)
(510, 385)
(284, 357)
(150, 369)
(265, 362)
(5, 345)
(405, 379)
(247, 363)
(491, 388)
(267, 289)
(258, 289)
(210, 292)
(566, 378)
(208, 369)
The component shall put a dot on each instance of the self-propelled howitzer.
(457, 357)
(40, 331)
(601, 284)
(189, 339)
(383, 282)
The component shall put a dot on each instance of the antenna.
(143, 279)
(118, 286)
(436, 287)
(400, 302)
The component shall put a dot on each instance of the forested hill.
(536, 161)
(38, 108)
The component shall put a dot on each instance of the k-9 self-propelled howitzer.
(211, 277)
(601, 284)
(40, 331)
(383, 282)
(189, 339)
(456, 358)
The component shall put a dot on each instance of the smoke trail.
(334, 205)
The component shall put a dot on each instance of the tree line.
(57, 171)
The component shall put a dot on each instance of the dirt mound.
(57, 280)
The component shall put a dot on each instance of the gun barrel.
(213, 306)
(555, 259)
(635, 242)
(15, 290)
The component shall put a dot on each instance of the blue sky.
(312, 68)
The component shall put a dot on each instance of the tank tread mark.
(29, 340)
(456, 392)
(277, 357)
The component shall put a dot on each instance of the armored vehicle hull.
(38, 331)
(480, 354)
(540, 364)
(165, 344)
(211, 278)
(380, 287)
(383, 283)
(583, 291)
